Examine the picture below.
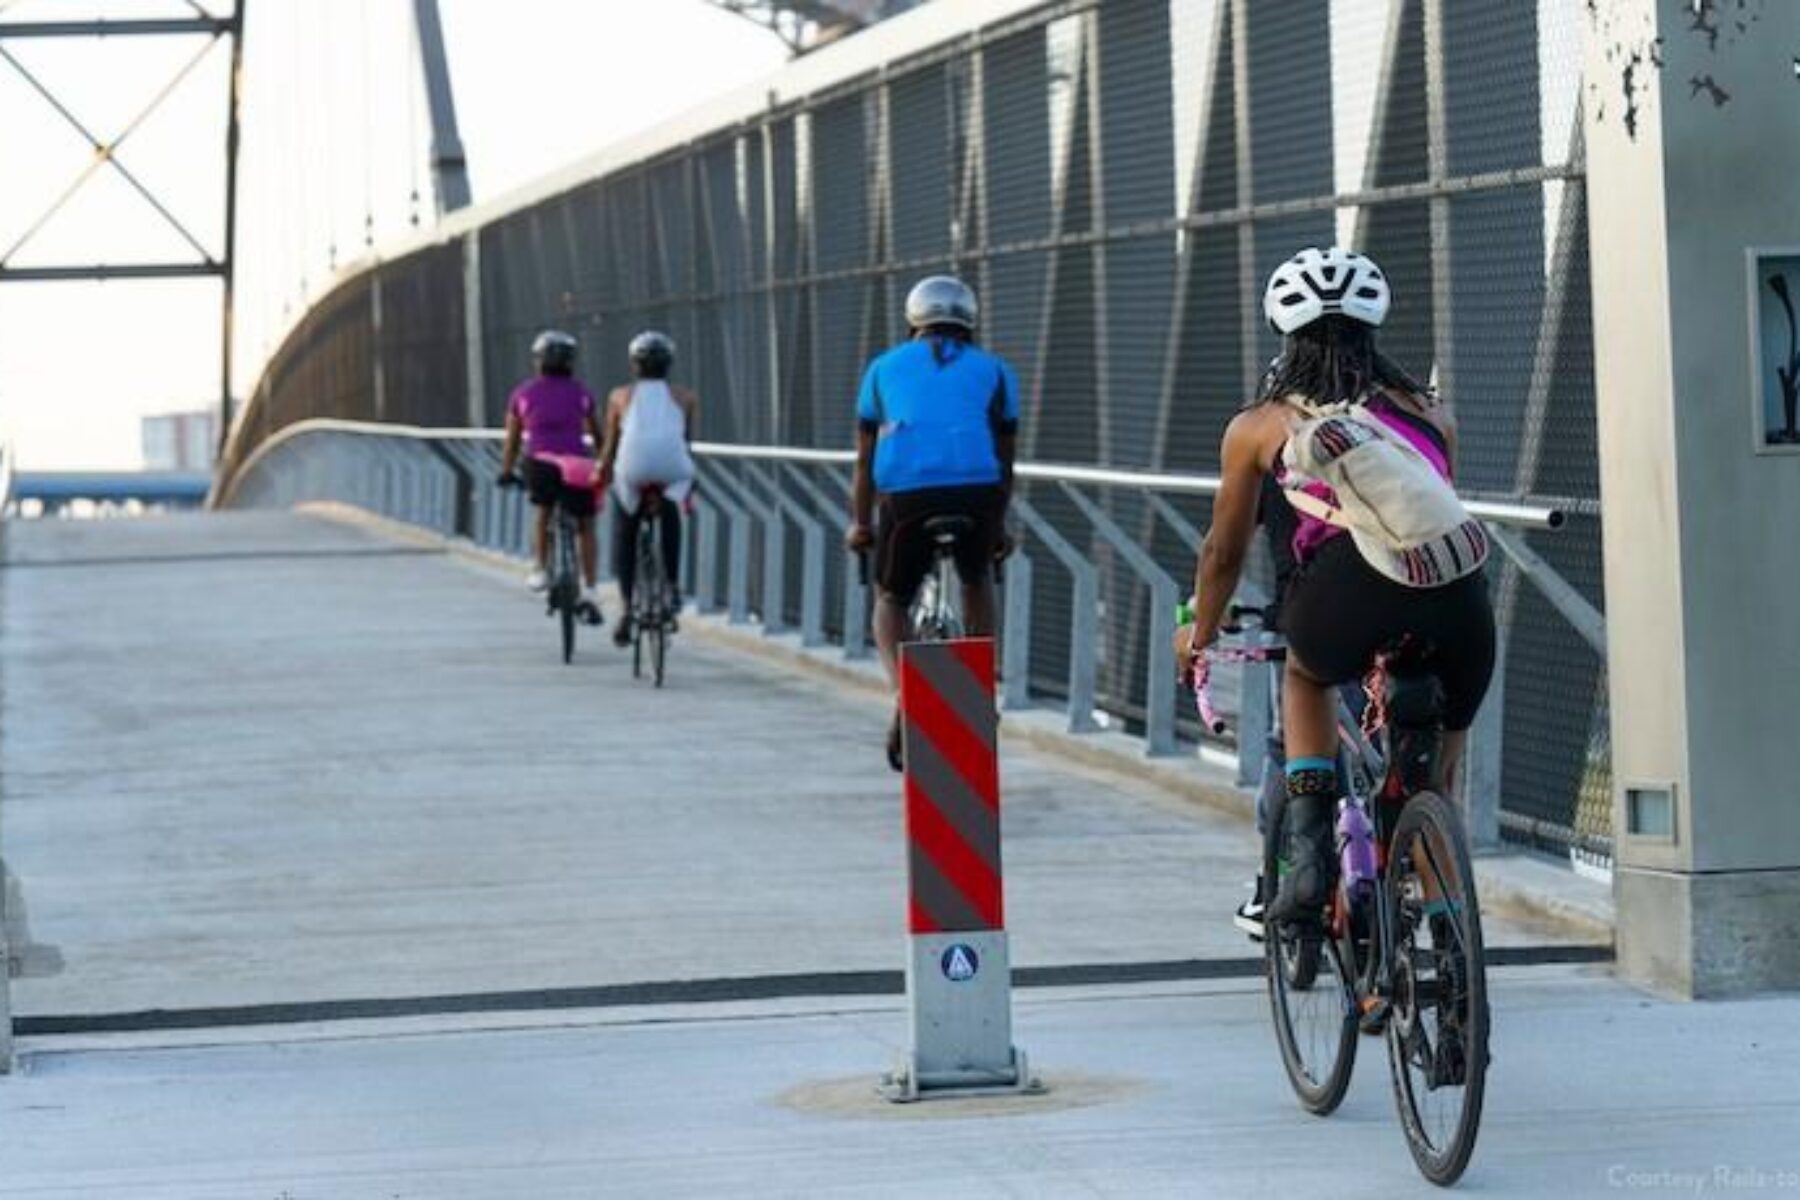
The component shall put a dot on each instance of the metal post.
(1438, 150)
(1159, 678)
(228, 261)
(1015, 635)
(378, 379)
(6, 1043)
(474, 348)
(1485, 758)
(958, 973)
(1250, 320)
(1083, 610)
(705, 587)
(449, 168)
(1255, 701)
(737, 506)
(812, 549)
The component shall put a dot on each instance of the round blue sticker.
(960, 963)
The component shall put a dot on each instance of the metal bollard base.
(905, 1085)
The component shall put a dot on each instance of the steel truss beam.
(205, 265)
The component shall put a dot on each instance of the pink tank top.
(1426, 438)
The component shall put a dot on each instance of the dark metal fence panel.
(1118, 178)
(423, 356)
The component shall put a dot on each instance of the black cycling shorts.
(544, 484)
(1339, 613)
(904, 552)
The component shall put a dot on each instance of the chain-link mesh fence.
(1118, 179)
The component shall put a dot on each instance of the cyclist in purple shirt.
(551, 414)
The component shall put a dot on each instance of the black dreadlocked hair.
(1333, 360)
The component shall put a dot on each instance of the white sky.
(335, 133)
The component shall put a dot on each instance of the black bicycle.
(562, 598)
(1398, 948)
(653, 595)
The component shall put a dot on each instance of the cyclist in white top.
(649, 423)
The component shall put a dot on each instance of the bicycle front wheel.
(1315, 1019)
(1438, 1034)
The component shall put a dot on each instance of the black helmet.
(554, 352)
(941, 300)
(652, 353)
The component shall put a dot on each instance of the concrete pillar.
(1693, 131)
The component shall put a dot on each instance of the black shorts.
(544, 484)
(904, 552)
(1339, 612)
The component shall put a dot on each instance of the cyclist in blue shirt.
(937, 423)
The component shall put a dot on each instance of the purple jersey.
(553, 411)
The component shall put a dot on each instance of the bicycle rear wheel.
(1438, 1035)
(568, 591)
(1315, 1023)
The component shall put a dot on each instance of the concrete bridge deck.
(331, 881)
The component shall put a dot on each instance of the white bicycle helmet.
(941, 300)
(1317, 283)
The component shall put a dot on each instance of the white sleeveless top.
(653, 448)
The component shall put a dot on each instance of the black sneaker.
(894, 757)
(590, 613)
(622, 632)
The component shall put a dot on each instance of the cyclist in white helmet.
(1339, 610)
(649, 424)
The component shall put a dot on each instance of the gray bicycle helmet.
(941, 300)
(554, 352)
(652, 353)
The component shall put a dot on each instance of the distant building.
(180, 441)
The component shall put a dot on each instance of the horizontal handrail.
(1520, 516)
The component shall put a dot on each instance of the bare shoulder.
(1432, 406)
(1257, 432)
(684, 396)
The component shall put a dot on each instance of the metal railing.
(757, 503)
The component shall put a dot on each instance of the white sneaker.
(537, 580)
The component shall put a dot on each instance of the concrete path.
(270, 760)
(1154, 1092)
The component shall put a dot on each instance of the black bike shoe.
(1312, 863)
(590, 613)
(622, 632)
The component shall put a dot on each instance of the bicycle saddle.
(947, 530)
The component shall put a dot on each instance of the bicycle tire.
(567, 592)
(1318, 1085)
(1429, 828)
(659, 650)
(644, 597)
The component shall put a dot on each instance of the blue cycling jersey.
(936, 403)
